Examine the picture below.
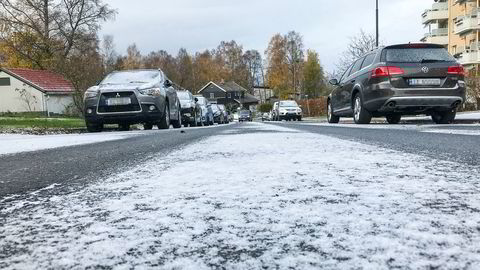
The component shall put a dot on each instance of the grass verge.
(25, 122)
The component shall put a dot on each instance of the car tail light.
(456, 70)
(380, 72)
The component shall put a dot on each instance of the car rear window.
(417, 55)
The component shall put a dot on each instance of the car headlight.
(151, 92)
(91, 92)
(299, 110)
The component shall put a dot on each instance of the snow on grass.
(260, 197)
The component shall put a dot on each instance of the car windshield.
(215, 108)
(289, 103)
(418, 55)
(183, 95)
(135, 77)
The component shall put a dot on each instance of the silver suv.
(132, 97)
(287, 110)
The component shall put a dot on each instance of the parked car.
(245, 116)
(207, 112)
(393, 81)
(218, 116)
(287, 110)
(225, 113)
(132, 97)
(191, 111)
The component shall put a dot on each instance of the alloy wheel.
(357, 108)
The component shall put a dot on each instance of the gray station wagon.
(407, 79)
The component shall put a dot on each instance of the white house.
(28, 90)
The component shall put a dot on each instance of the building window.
(4, 81)
(229, 95)
(212, 95)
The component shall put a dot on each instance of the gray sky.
(201, 24)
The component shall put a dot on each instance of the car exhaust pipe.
(456, 104)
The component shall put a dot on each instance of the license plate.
(434, 82)
(119, 101)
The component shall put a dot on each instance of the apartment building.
(455, 24)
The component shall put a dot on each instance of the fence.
(314, 107)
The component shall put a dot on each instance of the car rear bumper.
(413, 100)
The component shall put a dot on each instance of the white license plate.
(119, 101)
(433, 82)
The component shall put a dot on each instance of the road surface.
(247, 196)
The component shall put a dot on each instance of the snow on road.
(16, 143)
(257, 196)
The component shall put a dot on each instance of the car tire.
(124, 127)
(360, 114)
(177, 123)
(165, 120)
(331, 117)
(94, 128)
(147, 126)
(299, 119)
(444, 117)
(393, 119)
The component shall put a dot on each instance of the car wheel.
(165, 120)
(124, 127)
(331, 117)
(147, 126)
(299, 119)
(360, 114)
(445, 117)
(178, 123)
(394, 119)
(94, 127)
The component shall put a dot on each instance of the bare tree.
(254, 64)
(109, 55)
(295, 58)
(27, 98)
(359, 45)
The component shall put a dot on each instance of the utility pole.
(377, 23)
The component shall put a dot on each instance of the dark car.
(191, 111)
(207, 112)
(398, 80)
(245, 116)
(225, 113)
(132, 97)
(218, 115)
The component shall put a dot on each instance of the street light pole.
(376, 42)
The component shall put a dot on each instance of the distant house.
(230, 94)
(263, 94)
(28, 90)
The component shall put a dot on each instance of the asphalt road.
(29, 171)
(26, 172)
(416, 139)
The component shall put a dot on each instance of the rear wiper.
(431, 60)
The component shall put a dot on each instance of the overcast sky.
(201, 24)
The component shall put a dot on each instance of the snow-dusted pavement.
(256, 196)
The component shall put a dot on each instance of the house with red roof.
(29, 90)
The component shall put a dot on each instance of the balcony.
(437, 36)
(439, 11)
(469, 58)
(467, 23)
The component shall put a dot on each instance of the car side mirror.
(168, 83)
(196, 99)
(333, 82)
